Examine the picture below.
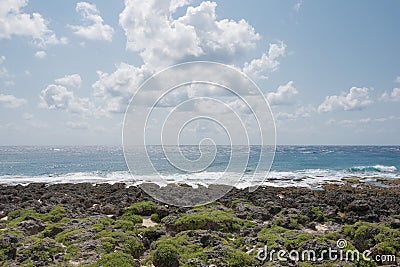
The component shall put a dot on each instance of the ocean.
(309, 166)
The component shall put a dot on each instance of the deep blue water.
(302, 165)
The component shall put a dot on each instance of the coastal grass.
(210, 218)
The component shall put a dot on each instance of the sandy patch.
(323, 228)
(148, 223)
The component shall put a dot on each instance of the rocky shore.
(112, 225)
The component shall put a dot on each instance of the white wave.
(303, 178)
(386, 168)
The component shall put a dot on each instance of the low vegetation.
(200, 236)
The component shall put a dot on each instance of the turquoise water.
(292, 165)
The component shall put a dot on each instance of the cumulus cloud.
(162, 40)
(117, 88)
(40, 54)
(59, 97)
(356, 99)
(93, 27)
(10, 101)
(73, 80)
(175, 4)
(14, 22)
(283, 95)
(267, 63)
(2, 59)
(391, 96)
(397, 79)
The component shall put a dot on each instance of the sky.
(330, 70)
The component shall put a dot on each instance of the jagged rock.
(31, 226)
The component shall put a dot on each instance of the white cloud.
(392, 96)
(162, 40)
(268, 62)
(16, 23)
(93, 27)
(283, 95)
(397, 79)
(117, 88)
(298, 5)
(362, 121)
(4, 73)
(10, 101)
(9, 83)
(356, 99)
(73, 80)
(76, 125)
(59, 97)
(175, 4)
(302, 112)
(40, 54)
(340, 122)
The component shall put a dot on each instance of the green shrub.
(125, 225)
(140, 208)
(55, 214)
(117, 259)
(108, 244)
(128, 216)
(106, 221)
(209, 219)
(238, 259)
(155, 218)
(186, 246)
(366, 235)
(165, 255)
(133, 247)
(317, 215)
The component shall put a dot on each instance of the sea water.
(309, 166)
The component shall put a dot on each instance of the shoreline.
(87, 225)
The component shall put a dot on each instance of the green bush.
(239, 259)
(209, 219)
(125, 225)
(140, 208)
(108, 244)
(165, 255)
(155, 218)
(317, 215)
(133, 247)
(117, 259)
(128, 216)
(186, 246)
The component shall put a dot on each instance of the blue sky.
(330, 70)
